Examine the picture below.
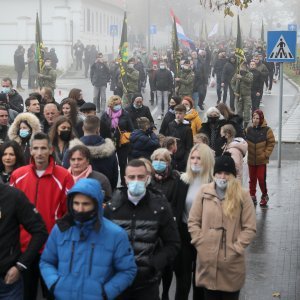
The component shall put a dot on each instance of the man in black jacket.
(99, 77)
(15, 100)
(16, 210)
(217, 70)
(146, 216)
(257, 86)
(181, 130)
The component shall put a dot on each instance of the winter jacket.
(238, 149)
(184, 135)
(133, 77)
(3, 133)
(228, 72)
(151, 229)
(15, 101)
(143, 143)
(186, 83)
(103, 156)
(261, 67)
(258, 82)
(13, 132)
(201, 74)
(261, 142)
(218, 68)
(163, 80)
(19, 60)
(99, 74)
(220, 241)
(193, 117)
(243, 88)
(16, 210)
(135, 113)
(106, 131)
(168, 118)
(237, 122)
(51, 205)
(89, 260)
(48, 78)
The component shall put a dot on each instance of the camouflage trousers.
(243, 108)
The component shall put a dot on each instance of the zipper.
(91, 258)
(72, 255)
(36, 192)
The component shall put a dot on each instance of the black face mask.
(65, 135)
(172, 106)
(212, 120)
(82, 217)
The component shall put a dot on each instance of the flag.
(214, 31)
(175, 47)
(239, 52)
(123, 54)
(39, 57)
(262, 34)
(231, 34)
(250, 32)
(185, 40)
(225, 33)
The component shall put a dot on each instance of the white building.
(63, 22)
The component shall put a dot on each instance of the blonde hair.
(201, 138)
(162, 152)
(233, 197)
(148, 164)
(229, 129)
(207, 162)
(112, 100)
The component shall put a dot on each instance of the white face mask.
(162, 67)
(196, 168)
(186, 67)
(221, 183)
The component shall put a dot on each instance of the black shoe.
(201, 107)
(218, 101)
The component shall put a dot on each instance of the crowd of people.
(126, 205)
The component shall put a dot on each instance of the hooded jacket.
(90, 260)
(220, 241)
(103, 154)
(193, 117)
(261, 142)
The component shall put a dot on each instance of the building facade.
(63, 22)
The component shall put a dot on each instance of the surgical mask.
(6, 90)
(117, 107)
(221, 183)
(24, 133)
(82, 217)
(162, 67)
(65, 135)
(186, 67)
(136, 188)
(159, 166)
(130, 65)
(196, 168)
(137, 106)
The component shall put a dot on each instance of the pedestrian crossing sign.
(281, 46)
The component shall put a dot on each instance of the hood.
(30, 118)
(99, 147)
(89, 187)
(240, 144)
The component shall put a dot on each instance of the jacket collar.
(49, 170)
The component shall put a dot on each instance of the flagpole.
(41, 14)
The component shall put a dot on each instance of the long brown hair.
(225, 110)
(73, 109)
(75, 94)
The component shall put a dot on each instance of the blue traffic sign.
(153, 29)
(292, 27)
(281, 46)
(113, 30)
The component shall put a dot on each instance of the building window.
(88, 20)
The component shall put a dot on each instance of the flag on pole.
(262, 34)
(214, 31)
(231, 33)
(175, 47)
(250, 32)
(123, 54)
(239, 52)
(225, 33)
(39, 57)
(206, 34)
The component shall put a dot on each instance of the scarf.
(114, 115)
(162, 176)
(84, 174)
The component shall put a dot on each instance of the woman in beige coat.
(222, 224)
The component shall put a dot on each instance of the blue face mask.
(117, 107)
(6, 90)
(159, 166)
(24, 133)
(136, 188)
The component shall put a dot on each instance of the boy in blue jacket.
(87, 256)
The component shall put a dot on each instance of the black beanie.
(225, 163)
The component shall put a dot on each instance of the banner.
(39, 54)
(214, 31)
(175, 48)
(123, 54)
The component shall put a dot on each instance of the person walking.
(222, 223)
(19, 65)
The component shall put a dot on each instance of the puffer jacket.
(143, 143)
(151, 229)
(238, 149)
(193, 117)
(85, 261)
(261, 142)
(220, 241)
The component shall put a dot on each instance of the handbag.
(124, 137)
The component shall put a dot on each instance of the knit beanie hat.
(225, 163)
(260, 115)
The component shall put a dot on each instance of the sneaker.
(261, 104)
(264, 200)
(254, 200)
(159, 117)
(269, 92)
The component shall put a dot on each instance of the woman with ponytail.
(199, 171)
(222, 224)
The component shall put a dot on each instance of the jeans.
(195, 97)
(219, 89)
(11, 291)
(202, 90)
(255, 101)
(19, 78)
(99, 98)
(162, 97)
(231, 95)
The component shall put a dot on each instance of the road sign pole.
(280, 113)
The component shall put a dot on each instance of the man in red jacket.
(46, 185)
